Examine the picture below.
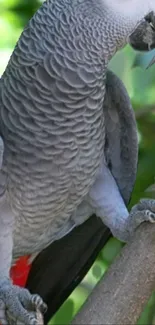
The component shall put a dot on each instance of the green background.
(130, 66)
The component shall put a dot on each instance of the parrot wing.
(121, 148)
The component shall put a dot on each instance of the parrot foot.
(18, 306)
(141, 212)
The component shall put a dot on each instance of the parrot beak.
(151, 63)
(143, 37)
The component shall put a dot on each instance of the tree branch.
(121, 295)
(144, 111)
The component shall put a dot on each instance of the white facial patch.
(133, 10)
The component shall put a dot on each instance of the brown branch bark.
(144, 111)
(121, 295)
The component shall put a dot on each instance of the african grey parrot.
(54, 170)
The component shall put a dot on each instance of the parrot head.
(133, 22)
(137, 18)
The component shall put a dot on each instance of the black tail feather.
(59, 268)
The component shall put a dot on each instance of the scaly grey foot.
(18, 306)
(141, 212)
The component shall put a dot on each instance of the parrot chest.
(53, 128)
(46, 187)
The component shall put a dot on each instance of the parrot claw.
(141, 212)
(18, 306)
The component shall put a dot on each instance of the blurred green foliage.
(130, 66)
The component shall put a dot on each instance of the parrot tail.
(59, 268)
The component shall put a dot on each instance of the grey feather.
(121, 147)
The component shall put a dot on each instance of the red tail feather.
(19, 272)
